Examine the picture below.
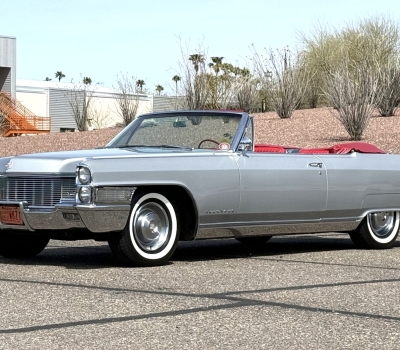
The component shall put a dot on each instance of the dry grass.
(307, 128)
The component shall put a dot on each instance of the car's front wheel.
(378, 230)
(17, 245)
(151, 234)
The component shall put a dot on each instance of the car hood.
(66, 161)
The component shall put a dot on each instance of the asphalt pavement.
(294, 292)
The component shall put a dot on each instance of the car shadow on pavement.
(71, 257)
(277, 246)
(99, 256)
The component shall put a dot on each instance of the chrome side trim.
(369, 211)
(276, 229)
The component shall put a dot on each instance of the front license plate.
(11, 215)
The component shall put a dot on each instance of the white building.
(8, 60)
(52, 99)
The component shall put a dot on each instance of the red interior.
(269, 149)
(343, 148)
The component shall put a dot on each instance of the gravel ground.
(307, 128)
(11, 146)
(319, 128)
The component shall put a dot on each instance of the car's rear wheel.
(151, 234)
(254, 240)
(17, 245)
(378, 230)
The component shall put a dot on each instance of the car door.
(281, 188)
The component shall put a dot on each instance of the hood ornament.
(9, 165)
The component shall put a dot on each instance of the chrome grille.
(38, 191)
(2, 188)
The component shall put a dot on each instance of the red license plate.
(10, 215)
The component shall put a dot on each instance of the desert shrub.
(284, 77)
(388, 88)
(374, 41)
(352, 90)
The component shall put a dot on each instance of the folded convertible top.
(342, 148)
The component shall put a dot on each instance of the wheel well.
(184, 202)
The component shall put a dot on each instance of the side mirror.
(179, 124)
(245, 144)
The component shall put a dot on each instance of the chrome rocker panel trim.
(276, 229)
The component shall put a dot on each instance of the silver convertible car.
(195, 175)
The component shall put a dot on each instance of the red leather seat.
(314, 151)
(269, 149)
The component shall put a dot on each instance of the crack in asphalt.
(324, 263)
(236, 302)
(313, 286)
(118, 319)
(244, 303)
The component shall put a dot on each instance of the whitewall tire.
(151, 234)
(379, 230)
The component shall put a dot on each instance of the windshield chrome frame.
(131, 128)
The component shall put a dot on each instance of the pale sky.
(102, 38)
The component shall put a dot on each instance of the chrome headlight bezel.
(84, 194)
(83, 175)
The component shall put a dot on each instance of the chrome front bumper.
(96, 218)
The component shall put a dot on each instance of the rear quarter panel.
(358, 182)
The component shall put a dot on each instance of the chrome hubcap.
(382, 223)
(151, 227)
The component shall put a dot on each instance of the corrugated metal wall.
(8, 59)
(166, 103)
(60, 110)
(5, 79)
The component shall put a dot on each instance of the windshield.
(188, 131)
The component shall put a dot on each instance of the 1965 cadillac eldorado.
(195, 175)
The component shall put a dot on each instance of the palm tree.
(59, 75)
(216, 64)
(245, 72)
(176, 78)
(86, 80)
(139, 84)
(159, 88)
(196, 59)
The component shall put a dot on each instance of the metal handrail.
(20, 120)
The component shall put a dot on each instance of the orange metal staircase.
(17, 119)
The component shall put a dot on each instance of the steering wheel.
(208, 140)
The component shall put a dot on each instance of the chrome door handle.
(315, 165)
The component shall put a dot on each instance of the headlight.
(84, 175)
(85, 194)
